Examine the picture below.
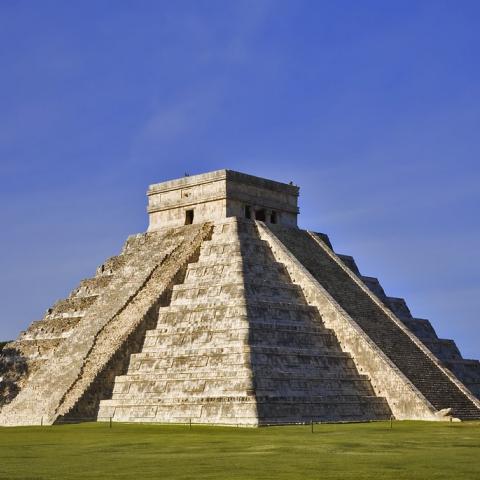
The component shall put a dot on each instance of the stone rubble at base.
(225, 312)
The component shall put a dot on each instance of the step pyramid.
(240, 344)
(225, 312)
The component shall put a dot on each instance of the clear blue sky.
(373, 108)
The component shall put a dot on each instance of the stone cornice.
(191, 203)
(228, 176)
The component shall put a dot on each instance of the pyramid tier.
(202, 273)
(221, 292)
(247, 410)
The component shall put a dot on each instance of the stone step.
(237, 317)
(257, 351)
(248, 241)
(232, 235)
(468, 371)
(307, 374)
(38, 348)
(186, 294)
(234, 228)
(399, 307)
(202, 389)
(349, 261)
(251, 286)
(41, 336)
(237, 386)
(182, 388)
(75, 306)
(294, 399)
(443, 349)
(248, 410)
(295, 411)
(198, 339)
(53, 327)
(207, 343)
(224, 250)
(184, 323)
(421, 327)
(231, 363)
(113, 265)
(269, 278)
(224, 410)
(235, 272)
(92, 286)
(147, 362)
(257, 310)
(260, 328)
(241, 357)
(258, 264)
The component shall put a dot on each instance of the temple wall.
(176, 216)
(217, 195)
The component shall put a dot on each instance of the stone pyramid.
(225, 312)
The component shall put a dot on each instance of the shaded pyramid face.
(238, 318)
(239, 344)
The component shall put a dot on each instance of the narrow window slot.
(188, 217)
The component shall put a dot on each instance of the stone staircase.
(239, 344)
(467, 371)
(422, 369)
(74, 354)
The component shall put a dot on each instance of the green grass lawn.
(411, 450)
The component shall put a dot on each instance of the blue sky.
(373, 108)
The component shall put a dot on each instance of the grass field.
(410, 450)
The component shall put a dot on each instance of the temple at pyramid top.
(220, 194)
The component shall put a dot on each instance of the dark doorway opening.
(260, 215)
(248, 211)
(273, 217)
(188, 217)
